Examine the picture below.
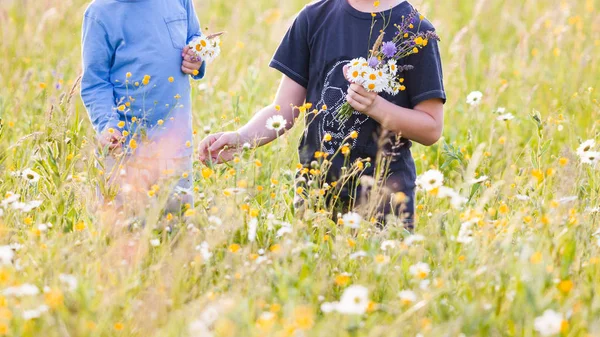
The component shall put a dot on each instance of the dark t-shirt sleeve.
(292, 58)
(425, 81)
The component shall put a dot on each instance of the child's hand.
(359, 98)
(191, 64)
(110, 140)
(219, 147)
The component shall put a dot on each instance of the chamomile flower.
(420, 270)
(590, 157)
(276, 123)
(413, 238)
(505, 117)
(29, 175)
(585, 147)
(6, 255)
(358, 62)
(388, 244)
(393, 66)
(474, 98)
(407, 296)
(354, 301)
(22, 290)
(35, 313)
(351, 220)
(204, 250)
(69, 280)
(465, 234)
(355, 74)
(10, 198)
(549, 323)
(430, 180)
(252, 227)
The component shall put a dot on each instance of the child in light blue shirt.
(135, 83)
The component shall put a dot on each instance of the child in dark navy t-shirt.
(324, 37)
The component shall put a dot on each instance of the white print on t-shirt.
(334, 98)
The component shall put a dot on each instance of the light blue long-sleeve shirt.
(142, 39)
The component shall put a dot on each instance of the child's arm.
(222, 146)
(190, 66)
(422, 124)
(96, 88)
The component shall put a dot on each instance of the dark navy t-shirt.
(326, 35)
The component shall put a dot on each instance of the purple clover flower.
(389, 49)
(373, 62)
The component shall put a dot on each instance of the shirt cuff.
(429, 95)
(201, 72)
(287, 71)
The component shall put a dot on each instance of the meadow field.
(521, 257)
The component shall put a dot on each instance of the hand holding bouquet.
(379, 73)
(206, 48)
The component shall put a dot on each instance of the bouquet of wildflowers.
(379, 72)
(206, 48)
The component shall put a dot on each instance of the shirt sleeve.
(194, 31)
(96, 89)
(425, 81)
(292, 58)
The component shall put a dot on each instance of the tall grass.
(532, 245)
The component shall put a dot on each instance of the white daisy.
(27, 206)
(430, 180)
(204, 251)
(215, 220)
(35, 313)
(549, 323)
(355, 74)
(358, 62)
(69, 280)
(351, 220)
(252, 226)
(356, 255)
(26, 289)
(6, 255)
(276, 123)
(155, 242)
(407, 296)
(500, 110)
(420, 270)
(414, 238)
(328, 307)
(392, 66)
(465, 234)
(590, 157)
(387, 244)
(354, 301)
(474, 98)
(284, 230)
(30, 175)
(505, 117)
(585, 147)
(10, 198)
(458, 201)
